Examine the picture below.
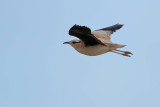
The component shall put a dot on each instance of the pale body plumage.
(97, 49)
(103, 36)
(90, 50)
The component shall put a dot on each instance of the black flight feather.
(113, 28)
(84, 33)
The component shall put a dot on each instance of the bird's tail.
(115, 46)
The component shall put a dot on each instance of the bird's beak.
(66, 43)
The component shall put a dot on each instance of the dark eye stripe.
(75, 42)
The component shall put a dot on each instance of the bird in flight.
(97, 42)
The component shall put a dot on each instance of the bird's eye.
(75, 42)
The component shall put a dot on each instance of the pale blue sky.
(37, 70)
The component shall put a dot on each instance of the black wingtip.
(118, 25)
(113, 28)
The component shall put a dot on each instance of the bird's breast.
(93, 50)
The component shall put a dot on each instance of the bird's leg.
(124, 54)
(124, 51)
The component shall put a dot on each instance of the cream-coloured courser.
(97, 42)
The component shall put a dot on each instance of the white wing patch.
(103, 36)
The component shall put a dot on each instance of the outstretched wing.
(84, 33)
(112, 28)
(104, 34)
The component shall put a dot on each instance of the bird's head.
(73, 42)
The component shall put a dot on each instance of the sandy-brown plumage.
(97, 42)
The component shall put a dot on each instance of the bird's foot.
(124, 53)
